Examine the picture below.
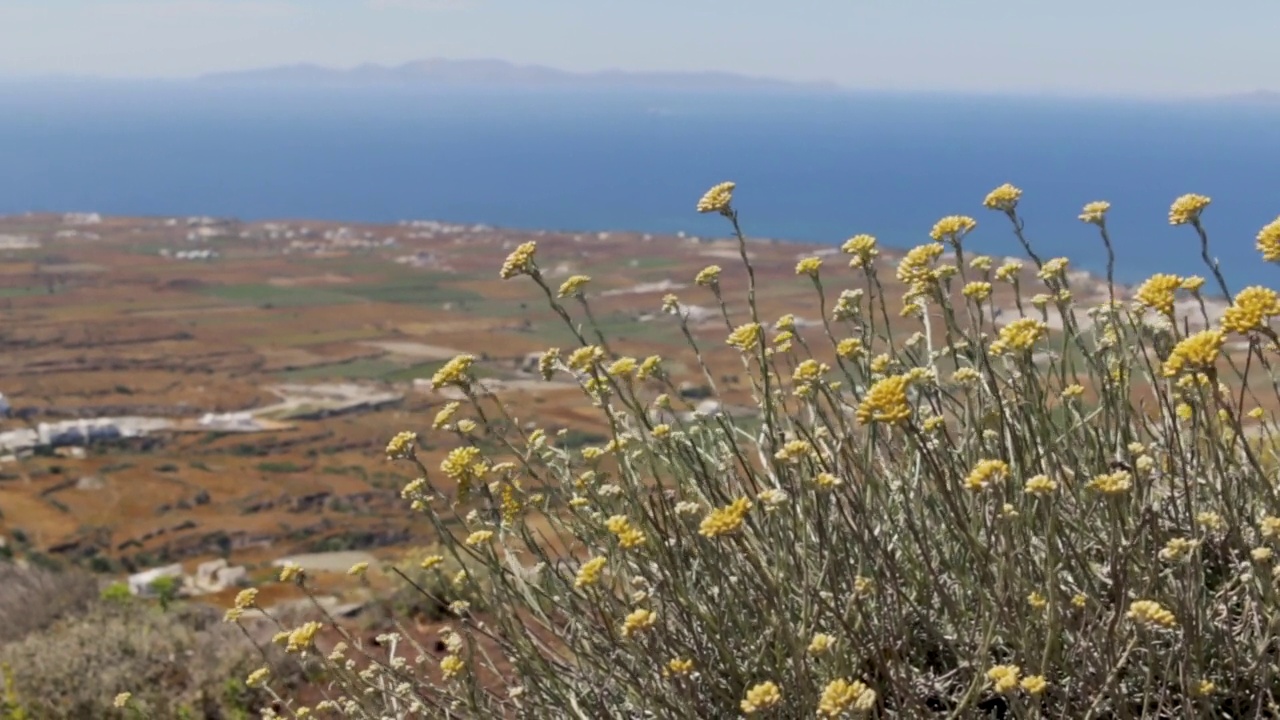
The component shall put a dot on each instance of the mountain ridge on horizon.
(487, 72)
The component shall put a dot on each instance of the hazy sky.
(1146, 47)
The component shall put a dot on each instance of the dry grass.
(184, 663)
(32, 598)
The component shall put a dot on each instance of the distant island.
(500, 74)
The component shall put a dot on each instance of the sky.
(1089, 47)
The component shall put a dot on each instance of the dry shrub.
(181, 663)
(32, 598)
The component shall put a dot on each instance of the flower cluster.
(1187, 209)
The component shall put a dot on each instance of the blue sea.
(813, 168)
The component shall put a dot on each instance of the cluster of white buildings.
(81, 218)
(211, 577)
(79, 432)
(197, 255)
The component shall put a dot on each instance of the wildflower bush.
(1069, 510)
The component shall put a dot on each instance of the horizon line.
(830, 87)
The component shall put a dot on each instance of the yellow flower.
(1252, 308)
(301, 637)
(952, 228)
(1004, 198)
(986, 472)
(725, 520)
(445, 415)
(451, 666)
(794, 450)
(1205, 687)
(745, 337)
(290, 572)
(1195, 352)
(886, 402)
(573, 286)
(826, 481)
(1210, 520)
(1021, 334)
(917, 265)
(1187, 209)
(1158, 292)
(1177, 549)
(622, 367)
(849, 348)
(1079, 600)
(1270, 526)
(637, 622)
(708, 276)
(460, 462)
(479, 537)
(809, 266)
(455, 372)
(840, 696)
(1037, 601)
(1072, 391)
(862, 248)
(717, 199)
(1034, 684)
(1150, 612)
(820, 644)
(246, 598)
(1053, 268)
(547, 363)
(810, 371)
(1040, 485)
(880, 363)
(401, 446)
(628, 536)
(978, 290)
(1192, 283)
(965, 376)
(584, 358)
(1004, 677)
(981, 262)
(519, 262)
(1009, 270)
(863, 586)
(678, 666)
(1095, 212)
(1269, 241)
(1261, 554)
(121, 700)
(358, 570)
(431, 561)
(258, 677)
(589, 573)
(761, 697)
(1115, 483)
